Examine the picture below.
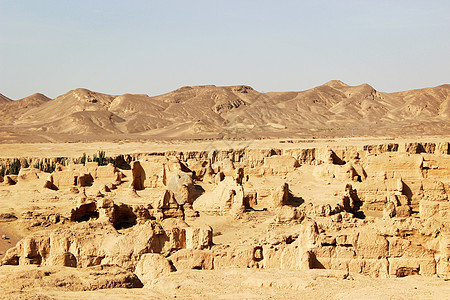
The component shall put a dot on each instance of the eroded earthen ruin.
(380, 210)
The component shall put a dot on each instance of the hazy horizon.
(154, 47)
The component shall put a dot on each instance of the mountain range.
(333, 109)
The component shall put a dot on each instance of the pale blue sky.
(152, 47)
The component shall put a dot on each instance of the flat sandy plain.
(133, 147)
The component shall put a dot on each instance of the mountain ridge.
(239, 111)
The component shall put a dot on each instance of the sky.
(153, 47)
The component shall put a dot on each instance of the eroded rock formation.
(376, 210)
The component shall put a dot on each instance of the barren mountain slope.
(4, 99)
(74, 101)
(11, 110)
(332, 109)
(423, 103)
(335, 105)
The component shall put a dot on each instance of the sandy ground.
(124, 147)
(234, 283)
(12, 234)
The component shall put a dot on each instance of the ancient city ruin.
(379, 210)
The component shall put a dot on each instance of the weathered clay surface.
(380, 211)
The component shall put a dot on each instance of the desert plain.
(337, 192)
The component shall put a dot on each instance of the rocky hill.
(233, 112)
